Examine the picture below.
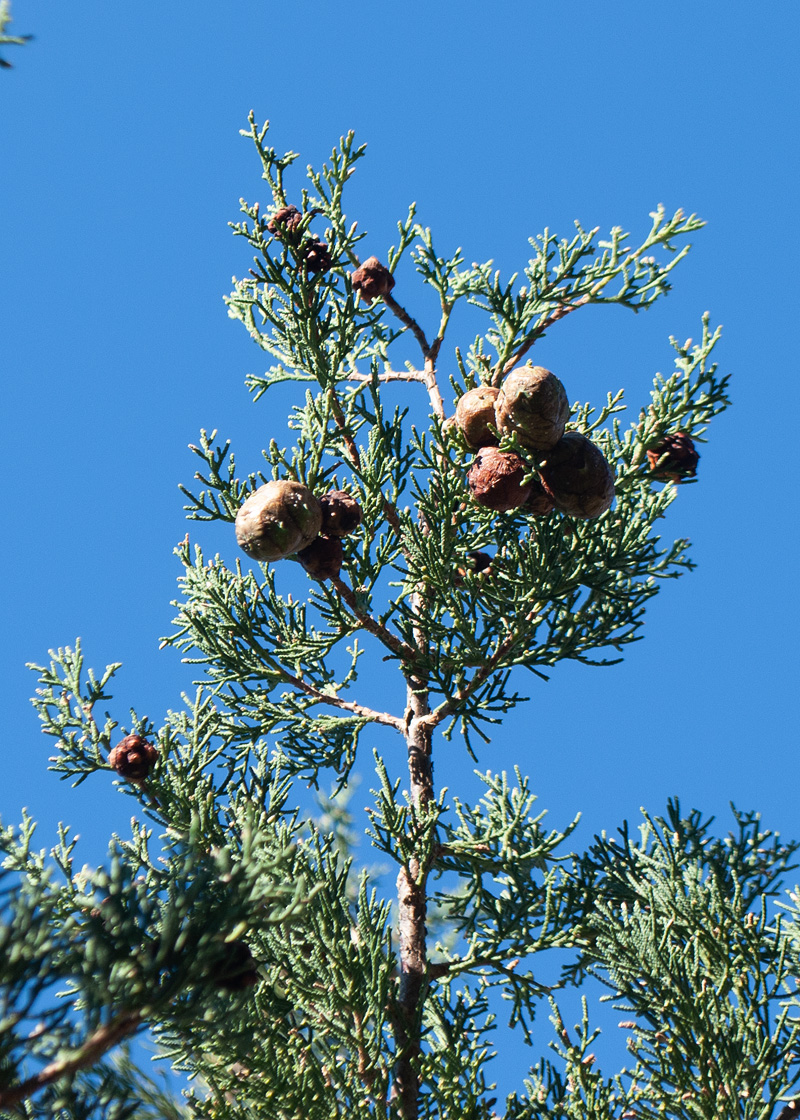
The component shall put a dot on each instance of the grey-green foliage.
(681, 928)
(302, 1019)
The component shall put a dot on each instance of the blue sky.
(120, 165)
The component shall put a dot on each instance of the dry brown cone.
(475, 562)
(539, 501)
(577, 478)
(323, 558)
(372, 280)
(681, 459)
(475, 416)
(133, 758)
(280, 518)
(341, 513)
(285, 223)
(533, 404)
(495, 479)
(317, 256)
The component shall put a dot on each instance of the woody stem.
(412, 905)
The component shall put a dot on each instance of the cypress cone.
(280, 518)
(372, 280)
(133, 758)
(323, 558)
(495, 479)
(681, 459)
(237, 968)
(285, 223)
(474, 415)
(533, 404)
(341, 513)
(577, 478)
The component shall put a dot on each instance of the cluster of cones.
(283, 518)
(370, 280)
(571, 472)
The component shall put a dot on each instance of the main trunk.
(411, 895)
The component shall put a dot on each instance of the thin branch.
(433, 388)
(389, 375)
(465, 964)
(560, 312)
(389, 510)
(347, 705)
(436, 345)
(448, 707)
(409, 322)
(341, 423)
(93, 1049)
(402, 650)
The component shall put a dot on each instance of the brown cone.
(475, 562)
(341, 513)
(681, 460)
(323, 558)
(789, 1111)
(280, 518)
(372, 280)
(539, 502)
(495, 479)
(133, 758)
(285, 223)
(474, 414)
(533, 404)
(577, 477)
(317, 256)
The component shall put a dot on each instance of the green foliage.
(334, 1000)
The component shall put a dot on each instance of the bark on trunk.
(411, 894)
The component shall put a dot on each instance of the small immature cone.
(133, 758)
(341, 513)
(681, 461)
(495, 479)
(474, 414)
(539, 501)
(372, 280)
(577, 478)
(285, 222)
(280, 518)
(323, 558)
(317, 256)
(533, 403)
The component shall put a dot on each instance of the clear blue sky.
(120, 164)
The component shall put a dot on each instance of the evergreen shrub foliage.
(266, 965)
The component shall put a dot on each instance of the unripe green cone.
(280, 518)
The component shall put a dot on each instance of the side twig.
(93, 1049)
(560, 312)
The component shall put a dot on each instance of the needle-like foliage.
(274, 970)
